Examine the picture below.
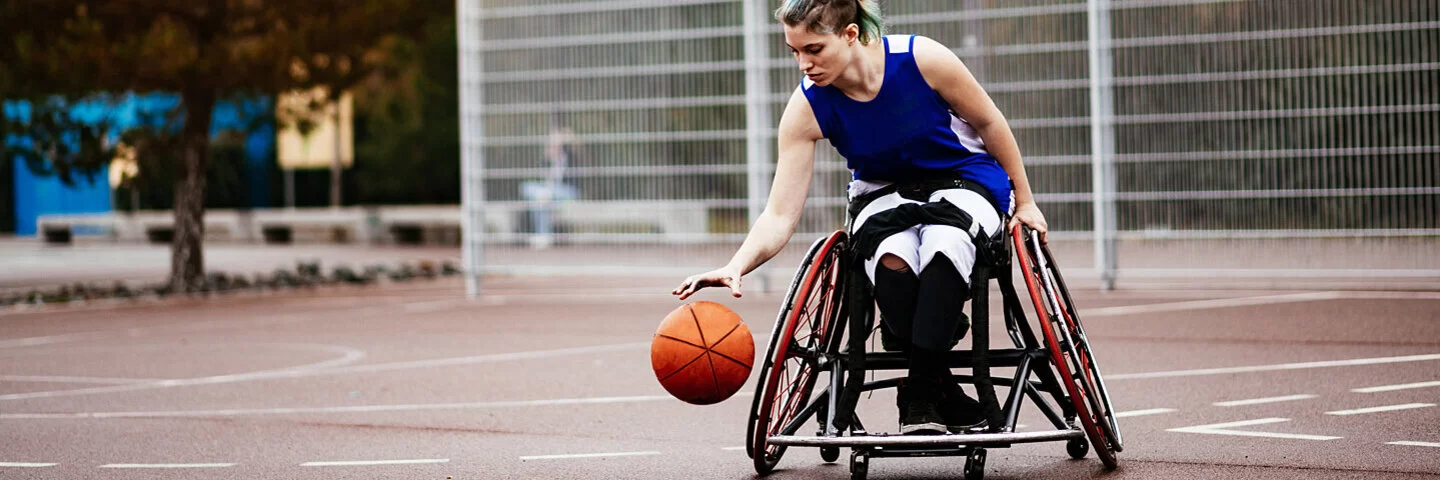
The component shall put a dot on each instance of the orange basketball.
(702, 353)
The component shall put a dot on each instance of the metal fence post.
(472, 146)
(1102, 141)
(757, 114)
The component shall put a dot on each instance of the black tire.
(829, 454)
(1077, 448)
(1068, 348)
(808, 321)
(975, 465)
(859, 465)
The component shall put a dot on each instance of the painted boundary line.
(168, 465)
(366, 463)
(1391, 388)
(1141, 413)
(628, 399)
(587, 455)
(1387, 408)
(26, 465)
(1225, 429)
(1277, 367)
(1258, 401)
(1415, 444)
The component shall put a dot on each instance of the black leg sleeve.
(939, 305)
(895, 295)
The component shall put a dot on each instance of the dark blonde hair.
(832, 16)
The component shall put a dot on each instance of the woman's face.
(822, 56)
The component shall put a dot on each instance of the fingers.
(734, 284)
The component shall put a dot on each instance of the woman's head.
(821, 32)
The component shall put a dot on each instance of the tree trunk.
(187, 259)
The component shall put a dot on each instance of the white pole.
(1102, 141)
(468, 15)
(757, 113)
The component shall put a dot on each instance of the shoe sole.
(923, 429)
(967, 428)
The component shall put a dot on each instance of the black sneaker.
(918, 413)
(958, 411)
(961, 413)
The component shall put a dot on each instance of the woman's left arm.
(948, 76)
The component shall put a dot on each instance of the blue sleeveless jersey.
(907, 132)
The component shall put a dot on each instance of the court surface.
(549, 377)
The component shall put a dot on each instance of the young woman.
(934, 164)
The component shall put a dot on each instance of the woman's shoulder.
(929, 51)
(936, 62)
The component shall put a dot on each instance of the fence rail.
(1246, 121)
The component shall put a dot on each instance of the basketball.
(702, 353)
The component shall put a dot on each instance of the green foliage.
(408, 121)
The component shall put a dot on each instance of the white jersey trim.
(968, 136)
(899, 43)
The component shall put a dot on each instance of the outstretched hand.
(1029, 214)
(713, 278)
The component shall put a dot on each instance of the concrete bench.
(678, 221)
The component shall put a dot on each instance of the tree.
(407, 142)
(203, 50)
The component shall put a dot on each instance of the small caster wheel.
(1077, 447)
(975, 465)
(829, 454)
(859, 465)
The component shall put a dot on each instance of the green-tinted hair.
(832, 16)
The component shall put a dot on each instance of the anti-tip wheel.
(829, 454)
(859, 465)
(1077, 447)
(975, 465)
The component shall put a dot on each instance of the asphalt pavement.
(549, 377)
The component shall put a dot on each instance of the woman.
(924, 141)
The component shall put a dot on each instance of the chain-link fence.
(1264, 135)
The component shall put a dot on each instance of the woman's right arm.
(797, 134)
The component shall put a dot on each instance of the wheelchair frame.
(807, 338)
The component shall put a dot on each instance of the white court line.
(1208, 304)
(587, 455)
(1141, 413)
(26, 465)
(1391, 388)
(603, 400)
(1415, 444)
(311, 370)
(168, 465)
(345, 409)
(65, 379)
(731, 449)
(347, 356)
(1224, 429)
(1387, 408)
(1277, 367)
(366, 463)
(1258, 401)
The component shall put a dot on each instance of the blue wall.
(42, 195)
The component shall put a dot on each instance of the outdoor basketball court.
(550, 378)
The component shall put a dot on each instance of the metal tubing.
(968, 439)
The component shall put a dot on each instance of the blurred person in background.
(934, 165)
(544, 194)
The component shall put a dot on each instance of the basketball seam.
(661, 335)
(733, 359)
(713, 376)
(687, 365)
(727, 335)
(698, 328)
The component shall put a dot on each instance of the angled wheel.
(807, 329)
(1069, 349)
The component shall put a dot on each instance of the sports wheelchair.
(828, 315)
